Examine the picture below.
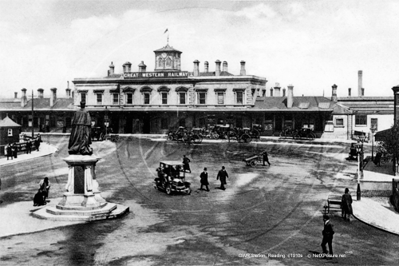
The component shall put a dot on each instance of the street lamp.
(372, 129)
(359, 150)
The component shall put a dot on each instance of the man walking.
(328, 233)
(204, 179)
(186, 164)
(265, 158)
(222, 175)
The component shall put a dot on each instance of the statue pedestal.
(82, 199)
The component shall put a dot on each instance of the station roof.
(302, 104)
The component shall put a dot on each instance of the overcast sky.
(309, 44)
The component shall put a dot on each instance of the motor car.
(171, 178)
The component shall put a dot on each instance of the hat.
(326, 217)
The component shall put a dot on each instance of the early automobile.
(171, 178)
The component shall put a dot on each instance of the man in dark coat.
(265, 158)
(9, 152)
(28, 147)
(186, 164)
(222, 175)
(328, 233)
(346, 205)
(204, 179)
(80, 139)
(37, 142)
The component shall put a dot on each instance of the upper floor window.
(164, 96)
(220, 97)
(182, 97)
(99, 98)
(115, 97)
(360, 120)
(202, 98)
(146, 98)
(239, 97)
(374, 123)
(339, 122)
(129, 98)
(83, 97)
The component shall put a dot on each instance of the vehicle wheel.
(253, 163)
(170, 136)
(246, 138)
(168, 189)
(312, 135)
(102, 136)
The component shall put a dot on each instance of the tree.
(390, 143)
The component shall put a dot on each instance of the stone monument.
(82, 199)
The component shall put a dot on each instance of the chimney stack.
(15, 95)
(53, 97)
(217, 70)
(243, 72)
(196, 68)
(349, 92)
(360, 83)
(111, 70)
(206, 66)
(40, 93)
(271, 92)
(334, 97)
(277, 90)
(68, 92)
(127, 67)
(142, 67)
(362, 90)
(284, 92)
(24, 100)
(290, 96)
(225, 68)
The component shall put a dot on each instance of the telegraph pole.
(33, 130)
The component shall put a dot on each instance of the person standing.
(9, 152)
(37, 142)
(28, 147)
(186, 164)
(44, 187)
(14, 150)
(204, 179)
(328, 233)
(265, 158)
(346, 205)
(222, 175)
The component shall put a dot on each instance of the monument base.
(82, 201)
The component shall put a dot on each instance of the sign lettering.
(133, 75)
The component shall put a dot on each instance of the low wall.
(373, 188)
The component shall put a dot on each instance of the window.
(339, 122)
(239, 97)
(115, 97)
(182, 97)
(129, 98)
(83, 97)
(146, 98)
(374, 123)
(220, 97)
(10, 132)
(164, 96)
(360, 120)
(99, 98)
(202, 98)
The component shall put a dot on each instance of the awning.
(382, 135)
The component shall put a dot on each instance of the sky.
(310, 44)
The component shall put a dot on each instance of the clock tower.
(167, 59)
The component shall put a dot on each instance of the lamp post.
(372, 129)
(359, 150)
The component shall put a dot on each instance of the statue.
(80, 139)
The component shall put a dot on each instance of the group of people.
(11, 149)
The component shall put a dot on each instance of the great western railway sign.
(132, 75)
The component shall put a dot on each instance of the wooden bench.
(333, 203)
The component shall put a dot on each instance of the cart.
(253, 160)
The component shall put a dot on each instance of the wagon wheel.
(170, 136)
(168, 189)
(246, 138)
(197, 139)
(255, 134)
(102, 136)
(312, 135)
(253, 163)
